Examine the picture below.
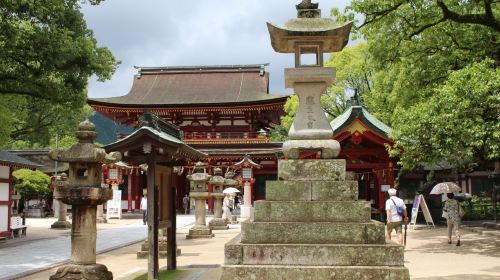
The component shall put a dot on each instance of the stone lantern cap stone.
(309, 27)
(85, 151)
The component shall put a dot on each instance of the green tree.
(423, 53)
(47, 55)
(48, 52)
(31, 184)
(459, 124)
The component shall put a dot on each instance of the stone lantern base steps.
(218, 224)
(200, 232)
(144, 252)
(310, 227)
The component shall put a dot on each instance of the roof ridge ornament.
(306, 9)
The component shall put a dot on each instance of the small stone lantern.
(82, 190)
(199, 192)
(61, 222)
(247, 166)
(217, 181)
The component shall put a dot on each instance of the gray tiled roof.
(7, 158)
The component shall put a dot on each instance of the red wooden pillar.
(210, 189)
(129, 191)
(178, 191)
(252, 187)
(381, 195)
(138, 190)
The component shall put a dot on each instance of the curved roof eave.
(349, 115)
(102, 102)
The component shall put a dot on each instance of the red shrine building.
(363, 139)
(223, 111)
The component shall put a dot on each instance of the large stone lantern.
(82, 190)
(199, 192)
(217, 181)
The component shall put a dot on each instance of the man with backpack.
(396, 215)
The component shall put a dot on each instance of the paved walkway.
(40, 251)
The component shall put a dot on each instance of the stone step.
(238, 253)
(312, 233)
(312, 191)
(161, 254)
(277, 272)
(312, 211)
(311, 169)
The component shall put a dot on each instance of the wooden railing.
(229, 137)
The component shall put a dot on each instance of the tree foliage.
(31, 183)
(47, 55)
(459, 124)
(426, 56)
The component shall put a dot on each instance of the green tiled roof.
(359, 112)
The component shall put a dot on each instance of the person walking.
(185, 203)
(396, 215)
(144, 209)
(452, 214)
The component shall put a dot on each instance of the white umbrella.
(230, 190)
(445, 187)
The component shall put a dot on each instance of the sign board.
(384, 188)
(114, 206)
(419, 202)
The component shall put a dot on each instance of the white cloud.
(190, 32)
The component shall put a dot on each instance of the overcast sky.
(190, 32)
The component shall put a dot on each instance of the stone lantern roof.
(309, 26)
(85, 151)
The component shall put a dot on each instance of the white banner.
(114, 206)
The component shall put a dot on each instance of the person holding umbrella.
(452, 210)
(396, 210)
(452, 214)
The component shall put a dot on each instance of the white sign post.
(114, 206)
(419, 202)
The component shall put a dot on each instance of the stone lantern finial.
(306, 9)
(86, 132)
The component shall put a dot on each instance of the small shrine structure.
(159, 145)
(363, 140)
(8, 200)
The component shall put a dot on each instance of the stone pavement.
(427, 256)
(200, 257)
(44, 248)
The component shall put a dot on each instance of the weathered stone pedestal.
(200, 230)
(218, 223)
(61, 222)
(310, 227)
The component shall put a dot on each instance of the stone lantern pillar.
(62, 208)
(199, 192)
(217, 181)
(83, 192)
